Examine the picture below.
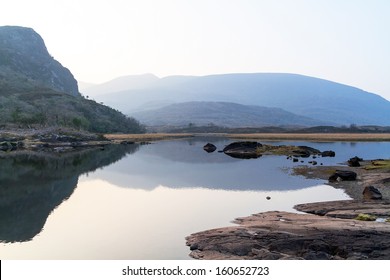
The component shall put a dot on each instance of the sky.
(346, 41)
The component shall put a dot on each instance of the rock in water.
(354, 162)
(244, 150)
(328, 154)
(209, 147)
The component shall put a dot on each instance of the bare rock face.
(25, 61)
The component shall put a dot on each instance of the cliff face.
(37, 91)
(25, 63)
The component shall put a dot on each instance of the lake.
(141, 201)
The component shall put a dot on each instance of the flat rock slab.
(347, 209)
(283, 235)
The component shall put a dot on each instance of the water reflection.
(102, 221)
(33, 184)
(184, 164)
(144, 205)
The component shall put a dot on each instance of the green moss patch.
(379, 164)
(365, 217)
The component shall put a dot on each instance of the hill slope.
(307, 96)
(221, 114)
(37, 91)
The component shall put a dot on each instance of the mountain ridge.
(226, 114)
(302, 95)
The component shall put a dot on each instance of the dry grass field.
(257, 136)
(146, 137)
(314, 136)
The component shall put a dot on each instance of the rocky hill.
(37, 91)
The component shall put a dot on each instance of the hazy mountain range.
(239, 98)
(224, 114)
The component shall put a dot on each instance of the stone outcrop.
(343, 175)
(250, 149)
(244, 149)
(283, 235)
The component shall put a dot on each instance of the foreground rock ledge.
(282, 235)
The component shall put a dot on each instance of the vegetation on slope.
(42, 107)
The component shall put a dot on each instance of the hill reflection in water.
(139, 202)
(33, 184)
(184, 164)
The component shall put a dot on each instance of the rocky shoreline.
(282, 235)
(65, 140)
(57, 140)
(349, 229)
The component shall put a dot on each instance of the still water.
(141, 201)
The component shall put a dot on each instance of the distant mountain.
(24, 57)
(223, 114)
(302, 95)
(122, 83)
(37, 91)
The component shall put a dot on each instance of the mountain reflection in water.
(147, 198)
(184, 164)
(32, 185)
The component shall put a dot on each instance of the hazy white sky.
(346, 41)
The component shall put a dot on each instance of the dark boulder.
(310, 149)
(354, 162)
(328, 154)
(305, 151)
(209, 147)
(371, 192)
(343, 175)
(244, 150)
